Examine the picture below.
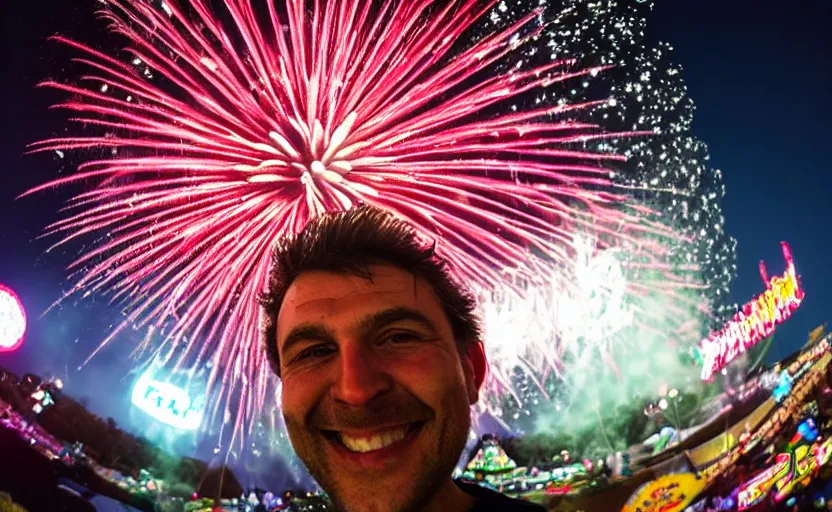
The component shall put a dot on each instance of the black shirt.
(490, 501)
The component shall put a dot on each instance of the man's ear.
(475, 365)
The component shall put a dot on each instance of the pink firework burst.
(225, 135)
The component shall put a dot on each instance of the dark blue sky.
(757, 70)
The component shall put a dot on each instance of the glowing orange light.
(755, 321)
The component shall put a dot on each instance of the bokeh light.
(12, 320)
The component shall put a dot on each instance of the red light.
(12, 320)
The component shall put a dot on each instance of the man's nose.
(361, 377)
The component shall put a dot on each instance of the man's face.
(376, 396)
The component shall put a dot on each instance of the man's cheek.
(292, 417)
(428, 378)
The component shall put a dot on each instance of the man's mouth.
(375, 440)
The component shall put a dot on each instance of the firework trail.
(591, 336)
(227, 129)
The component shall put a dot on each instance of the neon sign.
(167, 403)
(803, 470)
(791, 471)
(755, 321)
(755, 490)
(12, 320)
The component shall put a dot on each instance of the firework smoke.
(607, 331)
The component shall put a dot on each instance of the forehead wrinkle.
(377, 289)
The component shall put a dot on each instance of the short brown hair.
(348, 242)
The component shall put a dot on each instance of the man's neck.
(450, 498)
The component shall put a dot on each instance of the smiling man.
(381, 358)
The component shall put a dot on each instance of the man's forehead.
(318, 293)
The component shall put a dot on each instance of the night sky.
(757, 70)
(758, 73)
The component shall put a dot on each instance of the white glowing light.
(565, 323)
(168, 403)
(12, 320)
(574, 312)
(586, 335)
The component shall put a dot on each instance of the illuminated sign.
(791, 471)
(822, 452)
(755, 321)
(802, 470)
(670, 493)
(167, 403)
(12, 320)
(755, 490)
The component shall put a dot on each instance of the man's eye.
(318, 351)
(401, 337)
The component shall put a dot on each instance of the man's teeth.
(375, 442)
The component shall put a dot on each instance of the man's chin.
(373, 498)
(384, 480)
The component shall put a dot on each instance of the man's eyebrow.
(381, 319)
(308, 331)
